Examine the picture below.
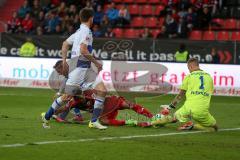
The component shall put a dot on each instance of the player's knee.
(101, 90)
(65, 97)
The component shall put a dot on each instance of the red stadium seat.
(154, 1)
(131, 33)
(193, 1)
(222, 36)
(209, 35)
(147, 10)
(195, 35)
(161, 21)
(151, 22)
(118, 32)
(137, 22)
(141, 1)
(230, 24)
(133, 9)
(155, 32)
(235, 36)
(217, 23)
(127, 1)
(158, 9)
(118, 6)
(117, 1)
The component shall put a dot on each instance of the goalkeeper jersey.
(199, 88)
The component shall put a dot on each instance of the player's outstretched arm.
(64, 50)
(86, 54)
(175, 101)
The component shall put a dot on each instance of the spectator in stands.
(215, 56)
(105, 24)
(27, 23)
(175, 15)
(146, 34)
(55, 3)
(191, 18)
(109, 33)
(39, 21)
(182, 13)
(163, 33)
(204, 17)
(182, 30)
(36, 8)
(183, 4)
(44, 3)
(98, 15)
(39, 31)
(198, 6)
(24, 9)
(171, 26)
(123, 16)
(96, 31)
(182, 54)
(69, 30)
(76, 22)
(52, 22)
(62, 10)
(112, 14)
(13, 24)
(88, 4)
(72, 11)
(58, 30)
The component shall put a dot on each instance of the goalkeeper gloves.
(169, 107)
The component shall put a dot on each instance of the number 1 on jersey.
(202, 82)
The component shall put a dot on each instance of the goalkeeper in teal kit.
(198, 88)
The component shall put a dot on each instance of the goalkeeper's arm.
(177, 99)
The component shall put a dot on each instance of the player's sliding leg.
(61, 113)
(58, 102)
(98, 106)
(205, 122)
(124, 104)
(110, 119)
(113, 122)
(141, 110)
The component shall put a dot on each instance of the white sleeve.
(70, 39)
(85, 38)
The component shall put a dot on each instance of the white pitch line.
(110, 138)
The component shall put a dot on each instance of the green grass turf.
(20, 123)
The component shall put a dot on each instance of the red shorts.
(111, 106)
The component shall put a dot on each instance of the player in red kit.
(110, 111)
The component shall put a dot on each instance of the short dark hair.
(85, 14)
(58, 63)
(193, 60)
(182, 47)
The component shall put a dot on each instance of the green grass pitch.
(20, 124)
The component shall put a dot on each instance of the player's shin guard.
(56, 104)
(98, 105)
(143, 111)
